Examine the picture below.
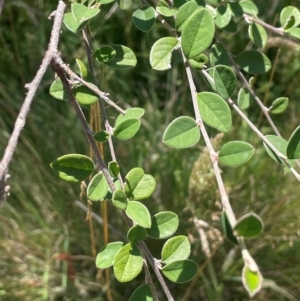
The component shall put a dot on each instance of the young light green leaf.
(142, 293)
(236, 9)
(287, 14)
(236, 153)
(84, 72)
(97, 188)
(127, 129)
(227, 228)
(106, 256)
(139, 185)
(84, 95)
(144, 18)
(279, 143)
(163, 225)
(253, 62)
(184, 13)
(279, 105)
(293, 145)
(199, 63)
(57, 90)
(101, 136)
(197, 33)
(258, 35)
(139, 213)
(164, 9)
(136, 234)
(72, 24)
(223, 16)
(219, 55)
(244, 98)
(225, 80)
(180, 271)
(83, 13)
(124, 58)
(130, 113)
(73, 167)
(113, 168)
(248, 226)
(252, 280)
(161, 53)
(105, 54)
(249, 7)
(128, 263)
(181, 133)
(176, 248)
(119, 199)
(125, 4)
(295, 32)
(214, 111)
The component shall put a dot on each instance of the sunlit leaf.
(83, 13)
(136, 234)
(142, 293)
(164, 9)
(84, 95)
(244, 98)
(97, 188)
(58, 91)
(144, 18)
(127, 129)
(279, 143)
(293, 145)
(225, 80)
(106, 256)
(223, 16)
(279, 105)
(287, 14)
(248, 226)
(72, 24)
(130, 113)
(252, 280)
(249, 7)
(119, 199)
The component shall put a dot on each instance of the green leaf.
(249, 7)
(128, 263)
(236, 9)
(58, 91)
(163, 224)
(84, 72)
(161, 53)
(184, 13)
(248, 226)
(236, 153)
(101, 136)
(252, 280)
(199, 63)
(180, 271)
(107, 254)
(197, 33)
(181, 133)
(279, 105)
(127, 128)
(279, 143)
(84, 95)
(293, 145)
(258, 35)
(144, 18)
(295, 32)
(219, 55)
(214, 111)
(97, 188)
(253, 62)
(139, 213)
(223, 16)
(113, 168)
(164, 9)
(142, 293)
(287, 14)
(125, 4)
(72, 24)
(119, 199)
(124, 58)
(231, 27)
(139, 185)
(82, 13)
(244, 98)
(105, 1)
(225, 80)
(176, 248)
(136, 234)
(105, 54)
(73, 167)
(227, 228)
(130, 113)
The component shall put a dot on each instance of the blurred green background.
(40, 221)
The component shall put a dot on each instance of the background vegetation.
(40, 223)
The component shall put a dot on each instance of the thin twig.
(32, 88)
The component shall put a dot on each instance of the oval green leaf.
(180, 271)
(130, 113)
(248, 226)
(181, 133)
(164, 9)
(142, 293)
(293, 145)
(227, 228)
(295, 32)
(219, 55)
(161, 53)
(244, 98)
(107, 254)
(105, 54)
(136, 234)
(128, 263)
(57, 90)
(114, 169)
(144, 18)
(287, 14)
(225, 80)
(201, 62)
(176, 248)
(279, 143)
(253, 62)
(72, 24)
(252, 281)
(197, 33)
(223, 16)
(236, 153)
(139, 185)
(84, 95)
(127, 128)
(73, 167)
(236, 9)
(139, 214)
(214, 111)
(249, 7)
(258, 35)
(163, 225)
(97, 188)
(101, 136)
(184, 13)
(279, 105)
(119, 199)
(83, 13)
